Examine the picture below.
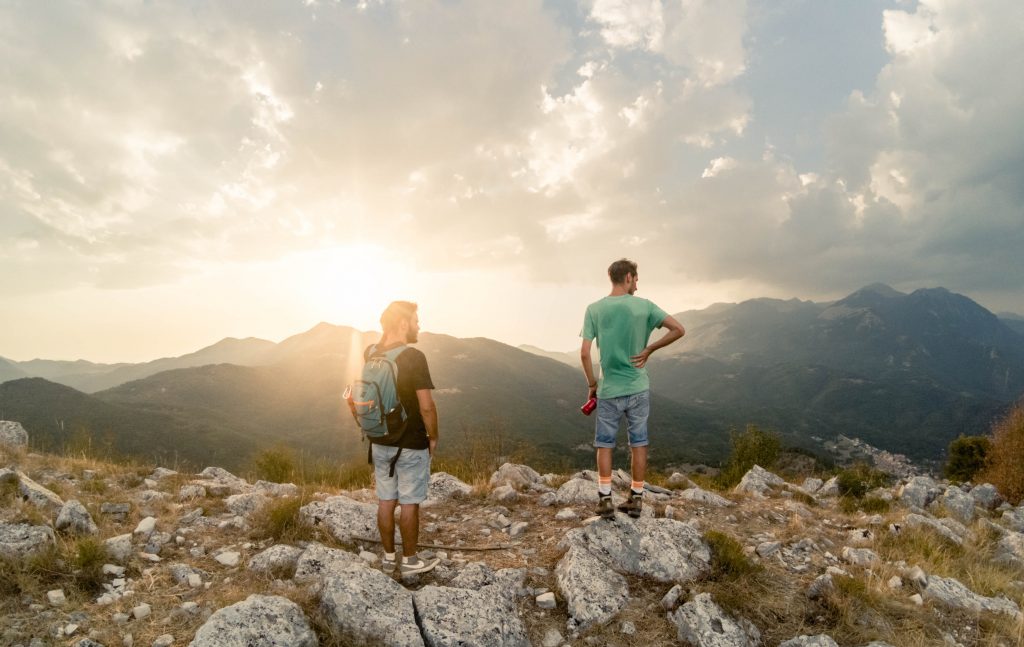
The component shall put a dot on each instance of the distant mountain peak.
(882, 289)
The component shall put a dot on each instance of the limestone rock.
(258, 621)
(698, 495)
(191, 492)
(220, 482)
(444, 486)
(811, 485)
(677, 480)
(914, 520)
(13, 434)
(37, 495)
(919, 491)
(246, 504)
(503, 493)
(366, 607)
(276, 490)
(457, 617)
(821, 640)
(820, 587)
(74, 519)
(119, 548)
(702, 623)
(581, 491)
(860, 557)
(277, 561)
(952, 593)
(959, 504)
(162, 473)
(593, 593)
(318, 562)
(20, 540)
(343, 517)
(829, 489)
(1015, 518)
(664, 550)
(1010, 549)
(986, 496)
(520, 477)
(758, 482)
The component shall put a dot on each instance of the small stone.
(166, 640)
(127, 640)
(917, 599)
(194, 580)
(895, 582)
(113, 569)
(504, 493)
(368, 557)
(141, 611)
(768, 548)
(517, 529)
(565, 514)
(56, 597)
(228, 558)
(120, 618)
(552, 638)
(628, 628)
(672, 598)
(146, 526)
(70, 629)
(546, 600)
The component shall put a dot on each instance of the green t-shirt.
(621, 325)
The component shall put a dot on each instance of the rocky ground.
(105, 554)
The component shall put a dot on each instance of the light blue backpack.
(373, 398)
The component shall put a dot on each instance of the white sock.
(604, 490)
(389, 556)
(406, 559)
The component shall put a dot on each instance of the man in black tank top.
(402, 463)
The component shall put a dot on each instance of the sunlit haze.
(176, 173)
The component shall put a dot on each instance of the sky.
(172, 173)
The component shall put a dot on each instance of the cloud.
(139, 143)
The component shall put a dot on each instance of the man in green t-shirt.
(622, 324)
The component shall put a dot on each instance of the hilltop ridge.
(110, 553)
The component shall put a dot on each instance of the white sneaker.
(416, 565)
(388, 565)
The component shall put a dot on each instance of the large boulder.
(758, 481)
(593, 593)
(664, 550)
(363, 606)
(13, 434)
(520, 477)
(477, 615)
(954, 533)
(702, 623)
(74, 519)
(346, 519)
(20, 540)
(952, 593)
(220, 482)
(443, 486)
(919, 491)
(258, 621)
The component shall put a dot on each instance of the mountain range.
(905, 372)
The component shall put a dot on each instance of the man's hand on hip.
(639, 361)
(433, 446)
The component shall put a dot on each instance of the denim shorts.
(412, 474)
(636, 408)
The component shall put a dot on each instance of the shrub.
(967, 455)
(280, 520)
(727, 557)
(860, 479)
(87, 557)
(752, 447)
(1004, 468)
(276, 465)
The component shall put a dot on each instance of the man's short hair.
(620, 269)
(396, 313)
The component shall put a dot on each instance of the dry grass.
(280, 520)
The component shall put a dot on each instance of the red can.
(589, 406)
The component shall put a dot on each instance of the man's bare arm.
(429, 412)
(675, 332)
(588, 367)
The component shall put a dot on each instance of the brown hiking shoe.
(605, 507)
(633, 505)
